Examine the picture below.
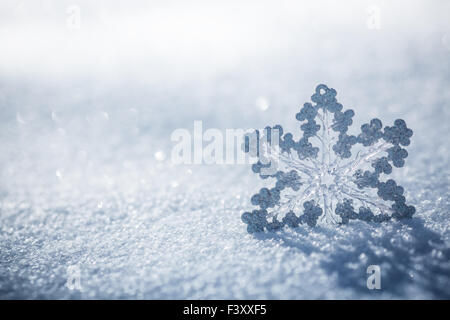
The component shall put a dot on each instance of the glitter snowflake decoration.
(317, 178)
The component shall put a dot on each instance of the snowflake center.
(327, 178)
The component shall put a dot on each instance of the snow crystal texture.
(87, 185)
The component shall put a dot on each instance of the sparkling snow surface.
(86, 178)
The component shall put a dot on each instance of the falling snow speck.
(328, 176)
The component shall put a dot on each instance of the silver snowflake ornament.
(318, 178)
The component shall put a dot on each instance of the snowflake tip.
(290, 179)
(311, 213)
